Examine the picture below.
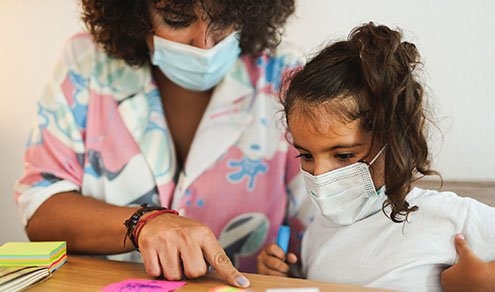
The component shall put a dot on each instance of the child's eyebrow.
(332, 148)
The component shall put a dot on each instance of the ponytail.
(376, 69)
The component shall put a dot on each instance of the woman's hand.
(470, 273)
(273, 261)
(171, 245)
(176, 246)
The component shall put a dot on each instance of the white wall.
(455, 38)
(32, 33)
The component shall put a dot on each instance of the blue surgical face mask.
(195, 68)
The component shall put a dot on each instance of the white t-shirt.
(377, 252)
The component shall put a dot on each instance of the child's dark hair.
(370, 77)
(121, 26)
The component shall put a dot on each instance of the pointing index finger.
(217, 258)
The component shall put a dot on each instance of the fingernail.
(242, 281)
(460, 236)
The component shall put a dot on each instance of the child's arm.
(470, 273)
(273, 261)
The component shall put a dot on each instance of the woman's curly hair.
(370, 77)
(120, 27)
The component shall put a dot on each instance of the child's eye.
(344, 156)
(305, 156)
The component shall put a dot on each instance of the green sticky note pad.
(51, 254)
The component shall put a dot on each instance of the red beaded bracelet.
(142, 221)
(132, 223)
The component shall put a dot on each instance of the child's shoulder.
(426, 198)
(418, 193)
(450, 202)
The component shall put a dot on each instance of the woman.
(168, 105)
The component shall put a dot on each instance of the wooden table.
(91, 274)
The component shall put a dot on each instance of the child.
(357, 118)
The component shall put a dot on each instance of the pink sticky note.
(143, 285)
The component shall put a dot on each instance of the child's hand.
(470, 273)
(273, 261)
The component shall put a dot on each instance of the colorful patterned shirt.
(101, 131)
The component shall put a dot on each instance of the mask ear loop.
(378, 154)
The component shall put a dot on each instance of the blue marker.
(283, 237)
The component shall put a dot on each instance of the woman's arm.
(89, 226)
(171, 245)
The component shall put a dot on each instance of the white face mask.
(345, 195)
(195, 68)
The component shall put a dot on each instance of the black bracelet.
(130, 223)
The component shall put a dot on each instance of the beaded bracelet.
(135, 220)
(143, 220)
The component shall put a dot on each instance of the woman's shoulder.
(81, 38)
(82, 51)
(290, 52)
(84, 59)
(81, 46)
(272, 65)
(284, 55)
